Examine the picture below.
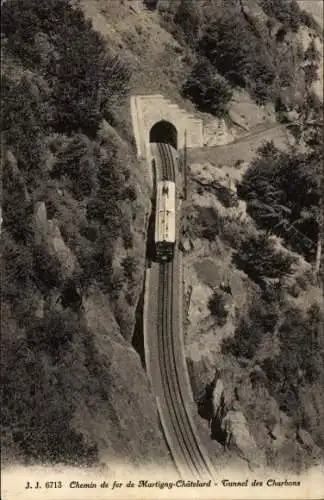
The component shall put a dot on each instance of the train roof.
(165, 212)
(165, 195)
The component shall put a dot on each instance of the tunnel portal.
(164, 131)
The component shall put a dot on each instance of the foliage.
(254, 59)
(259, 258)
(208, 90)
(217, 307)
(301, 357)
(84, 78)
(282, 192)
(78, 162)
(189, 18)
(151, 4)
(244, 60)
(207, 223)
(260, 319)
(25, 113)
(35, 411)
(64, 84)
(288, 13)
(130, 266)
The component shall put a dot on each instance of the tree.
(286, 12)
(312, 59)
(25, 121)
(283, 193)
(208, 90)
(83, 76)
(189, 17)
(258, 258)
(227, 54)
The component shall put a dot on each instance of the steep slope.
(75, 206)
(75, 212)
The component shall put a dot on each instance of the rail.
(193, 459)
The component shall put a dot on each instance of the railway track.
(193, 461)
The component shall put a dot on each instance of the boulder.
(201, 374)
(238, 436)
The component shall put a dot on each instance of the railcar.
(165, 220)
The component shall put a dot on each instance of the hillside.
(74, 215)
(75, 210)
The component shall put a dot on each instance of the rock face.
(228, 424)
(124, 423)
(48, 234)
(235, 427)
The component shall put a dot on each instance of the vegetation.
(217, 307)
(260, 319)
(283, 194)
(55, 156)
(258, 257)
(83, 77)
(189, 18)
(299, 363)
(256, 59)
(288, 13)
(208, 90)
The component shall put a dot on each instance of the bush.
(208, 90)
(151, 4)
(251, 59)
(189, 18)
(47, 268)
(258, 258)
(66, 81)
(286, 12)
(260, 319)
(130, 267)
(300, 360)
(17, 273)
(217, 307)
(208, 223)
(25, 120)
(78, 162)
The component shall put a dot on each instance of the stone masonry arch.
(149, 110)
(164, 131)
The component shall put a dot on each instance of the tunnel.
(164, 131)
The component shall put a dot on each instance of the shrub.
(217, 307)
(258, 258)
(206, 223)
(77, 162)
(260, 319)
(189, 18)
(300, 360)
(25, 120)
(130, 266)
(286, 12)
(17, 273)
(47, 268)
(250, 59)
(208, 90)
(151, 4)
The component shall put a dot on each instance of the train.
(165, 220)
